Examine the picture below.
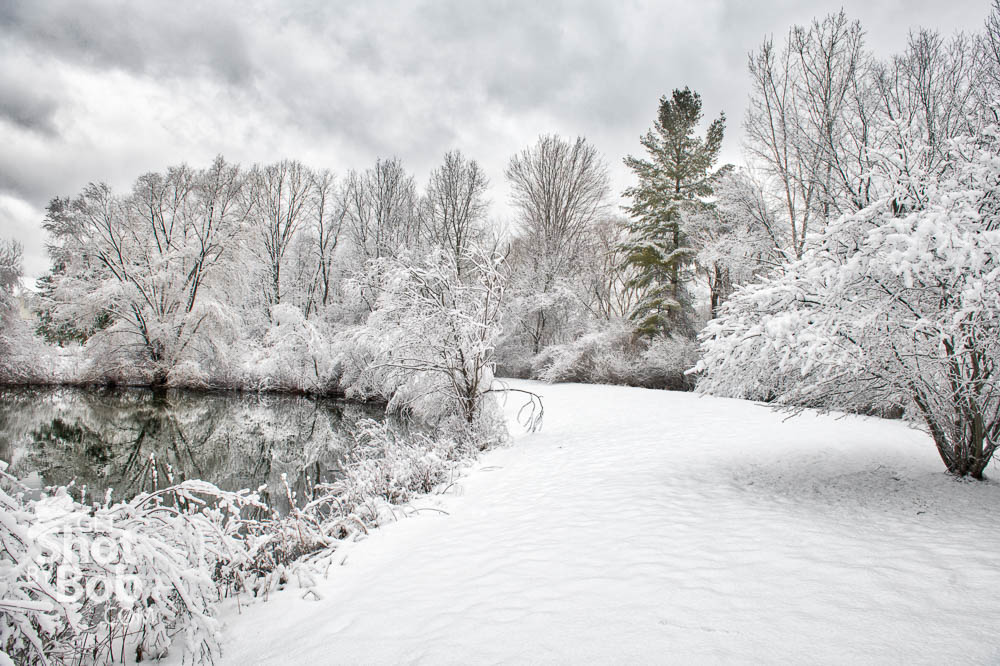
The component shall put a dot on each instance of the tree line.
(284, 276)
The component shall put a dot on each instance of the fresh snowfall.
(729, 393)
(642, 526)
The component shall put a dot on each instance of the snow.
(650, 526)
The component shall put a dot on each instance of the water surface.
(132, 440)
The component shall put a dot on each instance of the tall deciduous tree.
(142, 262)
(381, 205)
(454, 207)
(813, 124)
(559, 188)
(677, 175)
(328, 211)
(281, 194)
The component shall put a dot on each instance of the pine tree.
(675, 178)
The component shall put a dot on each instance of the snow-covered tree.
(897, 304)
(327, 212)
(612, 293)
(454, 206)
(929, 92)
(808, 126)
(381, 204)
(987, 46)
(10, 279)
(145, 263)
(559, 189)
(432, 337)
(737, 238)
(676, 176)
(281, 194)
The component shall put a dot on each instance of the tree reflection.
(134, 440)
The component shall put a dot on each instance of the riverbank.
(644, 526)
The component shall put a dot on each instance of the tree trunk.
(968, 456)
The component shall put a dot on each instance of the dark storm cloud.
(139, 37)
(25, 107)
(28, 181)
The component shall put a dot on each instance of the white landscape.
(644, 526)
(499, 332)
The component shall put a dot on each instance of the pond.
(131, 440)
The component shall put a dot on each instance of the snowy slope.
(648, 526)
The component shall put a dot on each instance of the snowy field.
(644, 526)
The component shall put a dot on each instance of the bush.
(79, 583)
(294, 355)
(665, 362)
(601, 357)
(615, 356)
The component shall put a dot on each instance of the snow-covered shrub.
(665, 362)
(897, 303)
(605, 356)
(514, 359)
(386, 467)
(614, 355)
(85, 584)
(25, 359)
(32, 618)
(111, 361)
(294, 354)
(541, 315)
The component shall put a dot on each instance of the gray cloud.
(107, 89)
(140, 37)
(25, 107)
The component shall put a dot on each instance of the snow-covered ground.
(645, 526)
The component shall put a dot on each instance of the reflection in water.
(133, 440)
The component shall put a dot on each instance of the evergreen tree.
(675, 179)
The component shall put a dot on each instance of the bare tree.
(612, 294)
(281, 193)
(328, 211)
(559, 190)
(381, 209)
(988, 57)
(221, 214)
(806, 123)
(929, 93)
(454, 207)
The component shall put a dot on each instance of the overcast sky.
(105, 91)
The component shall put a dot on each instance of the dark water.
(133, 440)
